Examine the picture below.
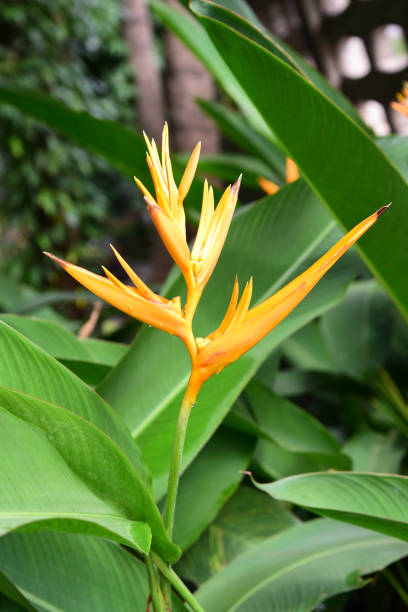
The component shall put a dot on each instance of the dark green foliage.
(54, 194)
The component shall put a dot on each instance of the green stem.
(177, 584)
(397, 585)
(176, 458)
(177, 454)
(155, 594)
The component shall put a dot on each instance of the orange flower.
(242, 328)
(292, 174)
(167, 213)
(402, 105)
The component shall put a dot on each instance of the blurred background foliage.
(54, 194)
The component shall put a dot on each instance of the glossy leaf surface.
(374, 501)
(339, 160)
(27, 368)
(299, 568)
(66, 573)
(71, 476)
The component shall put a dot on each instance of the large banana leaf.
(27, 368)
(73, 478)
(299, 568)
(273, 241)
(375, 501)
(60, 572)
(340, 161)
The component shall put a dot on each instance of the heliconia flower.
(138, 300)
(402, 105)
(242, 327)
(292, 174)
(167, 213)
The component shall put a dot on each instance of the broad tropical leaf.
(66, 573)
(299, 568)
(340, 161)
(246, 520)
(374, 501)
(72, 477)
(89, 358)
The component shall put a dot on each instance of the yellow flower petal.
(172, 237)
(189, 173)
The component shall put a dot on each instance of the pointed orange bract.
(292, 174)
(153, 310)
(241, 328)
(402, 105)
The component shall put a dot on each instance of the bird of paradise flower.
(242, 327)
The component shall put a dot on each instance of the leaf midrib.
(312, 557)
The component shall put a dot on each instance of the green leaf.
(233, 125)
(27, 368)
(307, 350)
(194, 36)
(299, 568)
(291, 229)
(13, 595)
(371, 451)
(395, 147)
(50, 336)
(285, 53)
(374, 501)
(273, 461)
(69, 573)
(208, 482)
(340, 161)
(246, 520)
(289, 426)
(89, 358)
(358, 330)
(293, 382)
(66, 474)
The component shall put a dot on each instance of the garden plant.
(247, 450)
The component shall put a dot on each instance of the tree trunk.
(142, 56)
(187, 79)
